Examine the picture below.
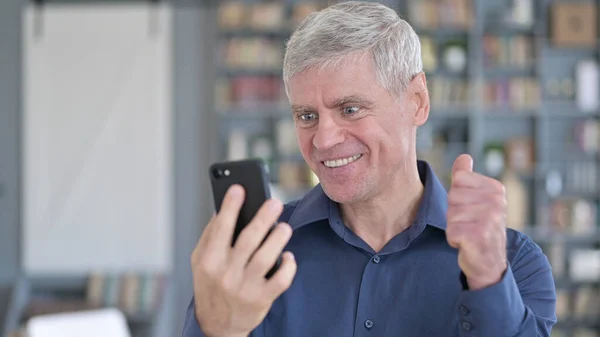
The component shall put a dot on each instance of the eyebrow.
(351, 99)
(301, 109)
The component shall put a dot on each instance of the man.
(378, 248)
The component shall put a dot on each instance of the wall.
(195, 39)
(193, 57)
(10, 58)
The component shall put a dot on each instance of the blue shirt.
(413, 287)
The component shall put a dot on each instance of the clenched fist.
(231, 294)
(476, 224)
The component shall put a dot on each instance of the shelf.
(509, 112)
(266, 111)
(442, 32)
(577, 323)
(233, 72)
(545, 236)
(525, 71)
(282, 33)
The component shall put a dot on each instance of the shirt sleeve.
(191, 328)
(522, 304)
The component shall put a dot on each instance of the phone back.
(252, 175)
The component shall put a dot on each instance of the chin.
(344, 193)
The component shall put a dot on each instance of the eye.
(307, 117)
(350, 110)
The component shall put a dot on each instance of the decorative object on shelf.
(266, 16)
(428, 53)
(588, 85)
(449, 93)
(522, 13)
(516, 93)
(431, 14)
(292, 175)
(494, 159)
(261, 146)
(302, 10)
(520, 155)
(231, 15)
(573, 25)
(238, 145)
(516, 199)
(131, 292)
(587, 136)
(287, 144)
(455, 56)
(554, 183)
(585, 265)
(560, 88)
(508, 52)
(582, 178)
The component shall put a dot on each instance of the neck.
(378, 219)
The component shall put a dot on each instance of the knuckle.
(226, 284)
(282, 282)
(261, 260)
(246, 241)
(498, 186)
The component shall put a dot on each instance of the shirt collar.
(315, 205)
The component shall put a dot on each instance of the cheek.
(304, 139)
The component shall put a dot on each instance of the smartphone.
(253, 176)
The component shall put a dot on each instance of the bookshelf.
(139, 296)
(503, 77)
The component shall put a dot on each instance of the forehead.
(350, 76)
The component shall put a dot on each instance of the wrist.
(477, 283)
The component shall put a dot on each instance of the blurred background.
(111, 112)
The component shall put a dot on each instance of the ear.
(420, 96)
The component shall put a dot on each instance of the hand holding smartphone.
(252, 175)
(238, 267)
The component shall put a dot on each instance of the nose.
(328, 133)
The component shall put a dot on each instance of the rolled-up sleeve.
(522, 304)
(190, 326)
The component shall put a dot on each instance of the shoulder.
(288, 210)
(518, 242)
(524, 254)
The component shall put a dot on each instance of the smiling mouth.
(341, 162)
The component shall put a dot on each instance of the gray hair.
(326, 37)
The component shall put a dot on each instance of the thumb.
(464, 162)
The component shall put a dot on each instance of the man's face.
(353, 134)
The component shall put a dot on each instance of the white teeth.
(341, 162)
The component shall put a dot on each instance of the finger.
(476, 180)
(205, 231)
(223, 226)
(283, 278)
(471, 196)
(264, 259)
(467, 213)
(464, 162)
(254, 233)
(456, 233)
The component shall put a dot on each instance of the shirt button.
(368, 324)
(376, 259)
(464, 310)
(466, 325)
